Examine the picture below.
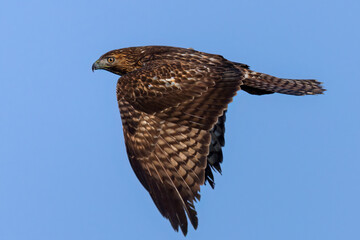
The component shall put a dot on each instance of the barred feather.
(266, 84)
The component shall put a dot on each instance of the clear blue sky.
(292, 164)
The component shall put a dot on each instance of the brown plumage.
(172, 103)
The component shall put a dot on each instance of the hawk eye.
(110, 59)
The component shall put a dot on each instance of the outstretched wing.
(167, 112)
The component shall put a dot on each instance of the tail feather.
(260, 83)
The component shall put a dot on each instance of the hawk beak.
(95, 66)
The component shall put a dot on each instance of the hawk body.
(172, 103)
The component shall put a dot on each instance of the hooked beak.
(95, 66)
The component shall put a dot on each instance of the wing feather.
(167, 113)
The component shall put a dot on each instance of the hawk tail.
(260, 83)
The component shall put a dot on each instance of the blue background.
(291, 168)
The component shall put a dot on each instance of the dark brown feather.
(215, 157)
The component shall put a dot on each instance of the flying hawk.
(172, 103)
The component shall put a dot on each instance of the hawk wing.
(167, 113)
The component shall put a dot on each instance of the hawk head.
(119, 61)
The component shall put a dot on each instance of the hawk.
(172, 103)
